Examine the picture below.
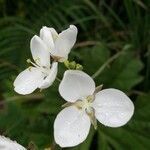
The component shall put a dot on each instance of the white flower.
(111, 107)
(59, 45)
(7, 144)
(42, 74)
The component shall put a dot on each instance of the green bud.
(66, 63)
(72, 65)
(79, 67)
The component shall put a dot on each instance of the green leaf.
(123, 73)
(92, 58)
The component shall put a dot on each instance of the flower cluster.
(47, 50)
(86, 104)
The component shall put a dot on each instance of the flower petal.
(54, 34)
(40, 52)
(71, 127)
(48, 81)
(46, 36)
(113, 108)
(28, 80)
(76, 85)
(7, 144)
(65, 42)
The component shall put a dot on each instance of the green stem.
(111, 59)
(58, 79)
(24, 98)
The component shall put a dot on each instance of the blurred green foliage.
(112, 46)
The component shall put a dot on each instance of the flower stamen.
(91, 113)
(85, 105)
(34, 64)
(30, 68)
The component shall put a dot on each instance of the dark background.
(113, 37)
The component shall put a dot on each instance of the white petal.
(76, 85)
(54, 34)
(71, 127)
(46, 36)
(113, 108)
(40, 52)
(7, 144)
(65, 42)
(48, 81)
(28, 80)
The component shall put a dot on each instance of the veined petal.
(76, 85)
(7, 144)
(28, 80)
(65, 42)
(48, 81)
(113, 108)
(71, 127)
(40, 52)
(46, 36)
